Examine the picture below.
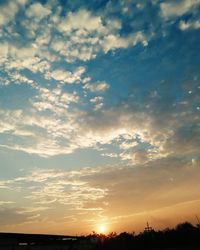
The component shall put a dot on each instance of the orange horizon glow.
(102, 229)
(160, 219)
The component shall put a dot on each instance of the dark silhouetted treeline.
(184, 236)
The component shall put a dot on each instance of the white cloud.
(26, 57)
(96, 87)
(6, 202)
(81, 20)
(59, 45)
(112, 155)
(183, 25)
(98, 102)
(177, 8)
(68, 98)
(22, 2)
(82, 36)
(61, 75)
(8, 119)
(37, 10)
(96, 99)
(91, 34)
(8, 12)
(112, 42)
(79, 36)
(3, 51)
(19, 78)
(69, 128)
(65, 76)
(79, 71)
(63, 187)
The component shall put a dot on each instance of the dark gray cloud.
(12, 216)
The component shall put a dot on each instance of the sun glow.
(102, 228)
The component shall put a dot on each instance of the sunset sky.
(99, 115)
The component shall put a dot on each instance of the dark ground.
(184, 236)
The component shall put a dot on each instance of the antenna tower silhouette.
(148, 229)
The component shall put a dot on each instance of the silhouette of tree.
(183, 236)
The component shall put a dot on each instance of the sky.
(99, 115)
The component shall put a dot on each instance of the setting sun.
(102, 229)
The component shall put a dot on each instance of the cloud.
(183, 25)
(37, 10)
(13, 216)
(6, 202)
(81, 20)
(60, 118)
(96, 87)
(3, 50)
(69, 128)
(113, 155)
(19, 58)
(79, 36)
(109, 192)
(184, 140)
(60, 187)
(98, 102)
(112, 42)
(92, 34)
(65, 76)
(8, 11)
(157, 185)
(68, 98)
(101, 127)
(96, 99)
(177, 8)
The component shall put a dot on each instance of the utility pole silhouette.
(148, 229)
